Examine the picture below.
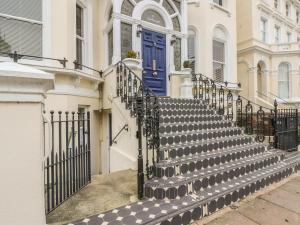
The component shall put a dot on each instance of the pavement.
(278, 204)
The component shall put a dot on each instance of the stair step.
(188, 119)
(184, 137)
(168, 128)
(186, 112)
(180, 186)
(203, 146)
(173, 167)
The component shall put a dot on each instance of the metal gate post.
(140, 175)
(275, 125)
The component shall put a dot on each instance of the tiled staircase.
(206, 163)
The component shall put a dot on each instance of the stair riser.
(167, 153)
(202, 163)
(190, 138)
(169, 113)
(190, 119)
(196, 185)
(166, 129)
(200, 210)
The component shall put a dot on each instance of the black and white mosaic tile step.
(188, 183)
(190, 127)
(179, 150)
(193, 207)
(214, 162)
(204, 135)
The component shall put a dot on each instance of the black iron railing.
(143, 105)
(279, 126)
(68, 166)
(77, 66)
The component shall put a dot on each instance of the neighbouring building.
(268, 35)
(98, 34)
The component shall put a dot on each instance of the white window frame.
(276, 4)
(288, 37)
(220, 62)
(219, 2)
(87, 55)
(46, 33)
(264, 29)
(287, 9)
(287, 81)
(277, 34)
(297, 16)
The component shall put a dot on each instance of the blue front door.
(154, 61)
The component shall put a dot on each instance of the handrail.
(125, 127)
(219, 82)
(15, 56)
(276, 96)
(78, 65)
(132, 72)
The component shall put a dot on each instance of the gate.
(286, 129)
(67, 168)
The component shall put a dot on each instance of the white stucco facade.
(268, 45)
(102, 43)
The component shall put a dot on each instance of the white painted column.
(116, 40)
(22, 93)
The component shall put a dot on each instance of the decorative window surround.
(214, 5)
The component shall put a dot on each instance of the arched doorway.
(155, 30)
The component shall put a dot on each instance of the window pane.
(23, 37)
(218, 71)
(79, 52)
(29, 9)
(110, 46)
(127, 8)
(126, 39)
(191, 47)
(79, 21)
(177, 54)
(218, 51)
(283, 80)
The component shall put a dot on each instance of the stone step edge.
(214, 153)
(261, 157)
(213, 140)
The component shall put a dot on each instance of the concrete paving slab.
(292, 187)
(231, 218)
(266, 213)
(104, 193)
(283, 198)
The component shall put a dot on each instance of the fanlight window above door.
(154, 17)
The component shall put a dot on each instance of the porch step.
(203, 135)
(189, 149)
(186, 112)
(193, 182)
(189, 127)
(185, 164)
(189, 118)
